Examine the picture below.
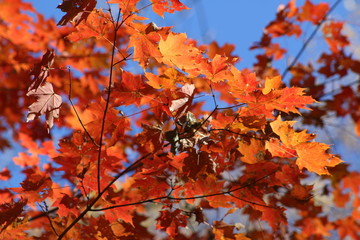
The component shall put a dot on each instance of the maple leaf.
(152, 137)
(181, 105)
(348, 226)
(272, 84)
(313, 12)
(41, 70)
(171, 221)
(282, 27)
(127, 7)
(288, 136)
(217, 70)
(225, 231)
(333, 36)
(5, 174)
(47, 102)
(164, 81)
(352, 181)
(96, 25)
(145, 42)
(286, 100)
(252, 152)
(274, 216)
(161, 6)
(76, 11)
(67, 205)
(316, 226)
(198, 164)
(226, 50)
(9, 212)
(311, 155)
(177, 53)
(274, 50)
(26, 160)
(36, 187)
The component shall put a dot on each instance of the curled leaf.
(183, 104)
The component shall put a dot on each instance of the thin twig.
(46, 213)
(250, 202)
(229, 192)
(76, 113)
(332, 92)
(234, 106)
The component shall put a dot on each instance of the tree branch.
(229, 192)
(76, 113)
(116, 28)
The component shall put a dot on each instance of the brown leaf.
(41, 69)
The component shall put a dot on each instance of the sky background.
(239, 22)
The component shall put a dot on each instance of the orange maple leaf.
(162, 81)
(313, 12)
(177, 53)
(161, 6)
(218, 69)
(288, 136)
(333, 36)
(314, 157)
(127, 7)
(272, 84)
(145, 42)
(253, 152)
(25, 159)
(97, 25)
(311, 155)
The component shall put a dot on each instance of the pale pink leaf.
(47, 102)
(183, 104)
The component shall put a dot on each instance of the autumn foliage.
(154, 153)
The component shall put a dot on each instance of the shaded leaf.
(76, 10)
(9, 212)
(41, 70)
